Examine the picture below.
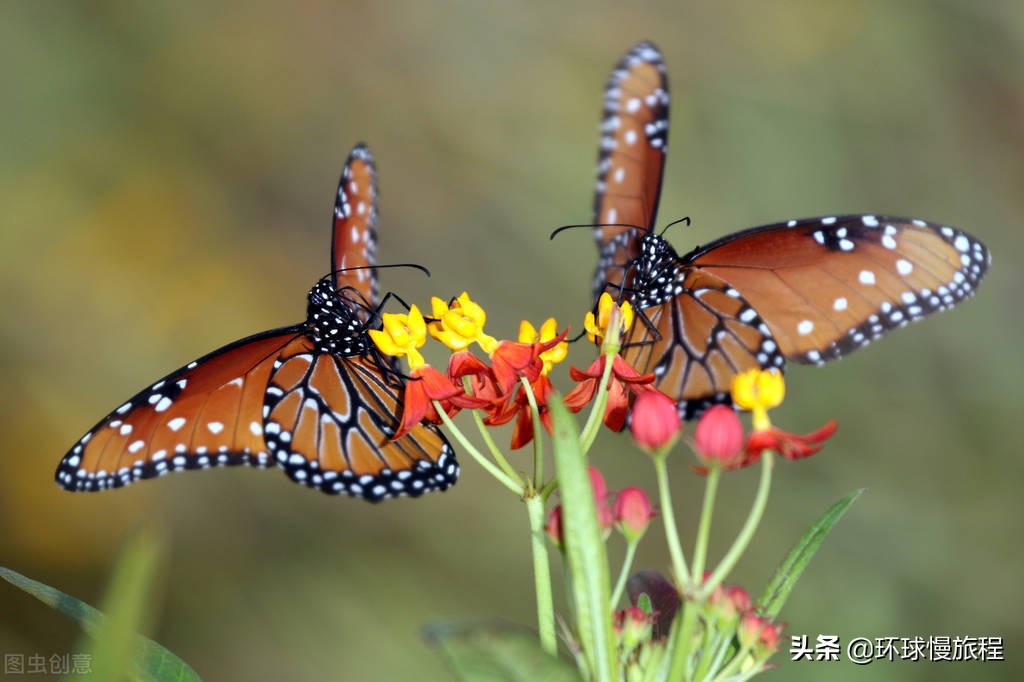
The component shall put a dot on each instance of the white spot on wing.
(866, 277)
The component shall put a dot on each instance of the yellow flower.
(402, 335)
(759, 390)
(460, 324)
(548, 331)
(597, 328)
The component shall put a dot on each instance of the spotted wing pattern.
(808, 290)
(317, 398)
(631, 158)
(208, 413)
(329, 424)
(827, 286)
(354, 238)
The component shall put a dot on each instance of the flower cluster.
(691, 625)
(513, 384)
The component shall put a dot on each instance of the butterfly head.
(333, 321)
(654, 271)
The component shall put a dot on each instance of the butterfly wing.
(208, 413)
(631, 158)
(697, 340)
(827, 286)
(354, 238)
(330, 420)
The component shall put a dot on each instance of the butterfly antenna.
(675, 222)
(593, 226)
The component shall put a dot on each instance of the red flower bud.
(718, 437)
(633, 512)
(655, 420)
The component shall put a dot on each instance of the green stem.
(668, 514)
(680, 649)
(485, 433)
(729, 671)
(513, 483)
(627, 563)
(747, 531)
(589, 432)
(700, 550)
(538, 443)
(542, 576)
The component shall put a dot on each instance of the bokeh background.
(166, 180)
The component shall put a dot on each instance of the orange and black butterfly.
(808, 290)
(317, 399)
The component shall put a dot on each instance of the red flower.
(482, 382)
(624, 380)
(718, 437)
(789, 445)
(425, 385)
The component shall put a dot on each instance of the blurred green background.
(166, 180)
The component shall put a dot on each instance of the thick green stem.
(747, 531)
(681, 645)
(542, 576)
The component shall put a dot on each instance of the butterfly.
(806, 291)
(317, 398)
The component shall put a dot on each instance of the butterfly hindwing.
(330, 420)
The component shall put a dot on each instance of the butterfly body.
(806, 291)
(317, 399)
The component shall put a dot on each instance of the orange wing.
(330, 423)
(827, 286)
(208, 413)
(354, 239)
(631, 158)
(698, 340)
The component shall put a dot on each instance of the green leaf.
(117, 653)
(786, 575)
(497, 652)
(584, 545)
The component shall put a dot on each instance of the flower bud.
(632, 512)
(604, 512)
(655, 420)
(633, 626)
(718, 437)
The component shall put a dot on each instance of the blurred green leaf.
(117, 653)
(497, 652)
(790, 570)
(584, 544)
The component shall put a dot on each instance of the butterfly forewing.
(330, 421)
(354, 238)
(827, 286)
(208, 413)
(631, 158)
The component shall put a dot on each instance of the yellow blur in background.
(166, 182)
